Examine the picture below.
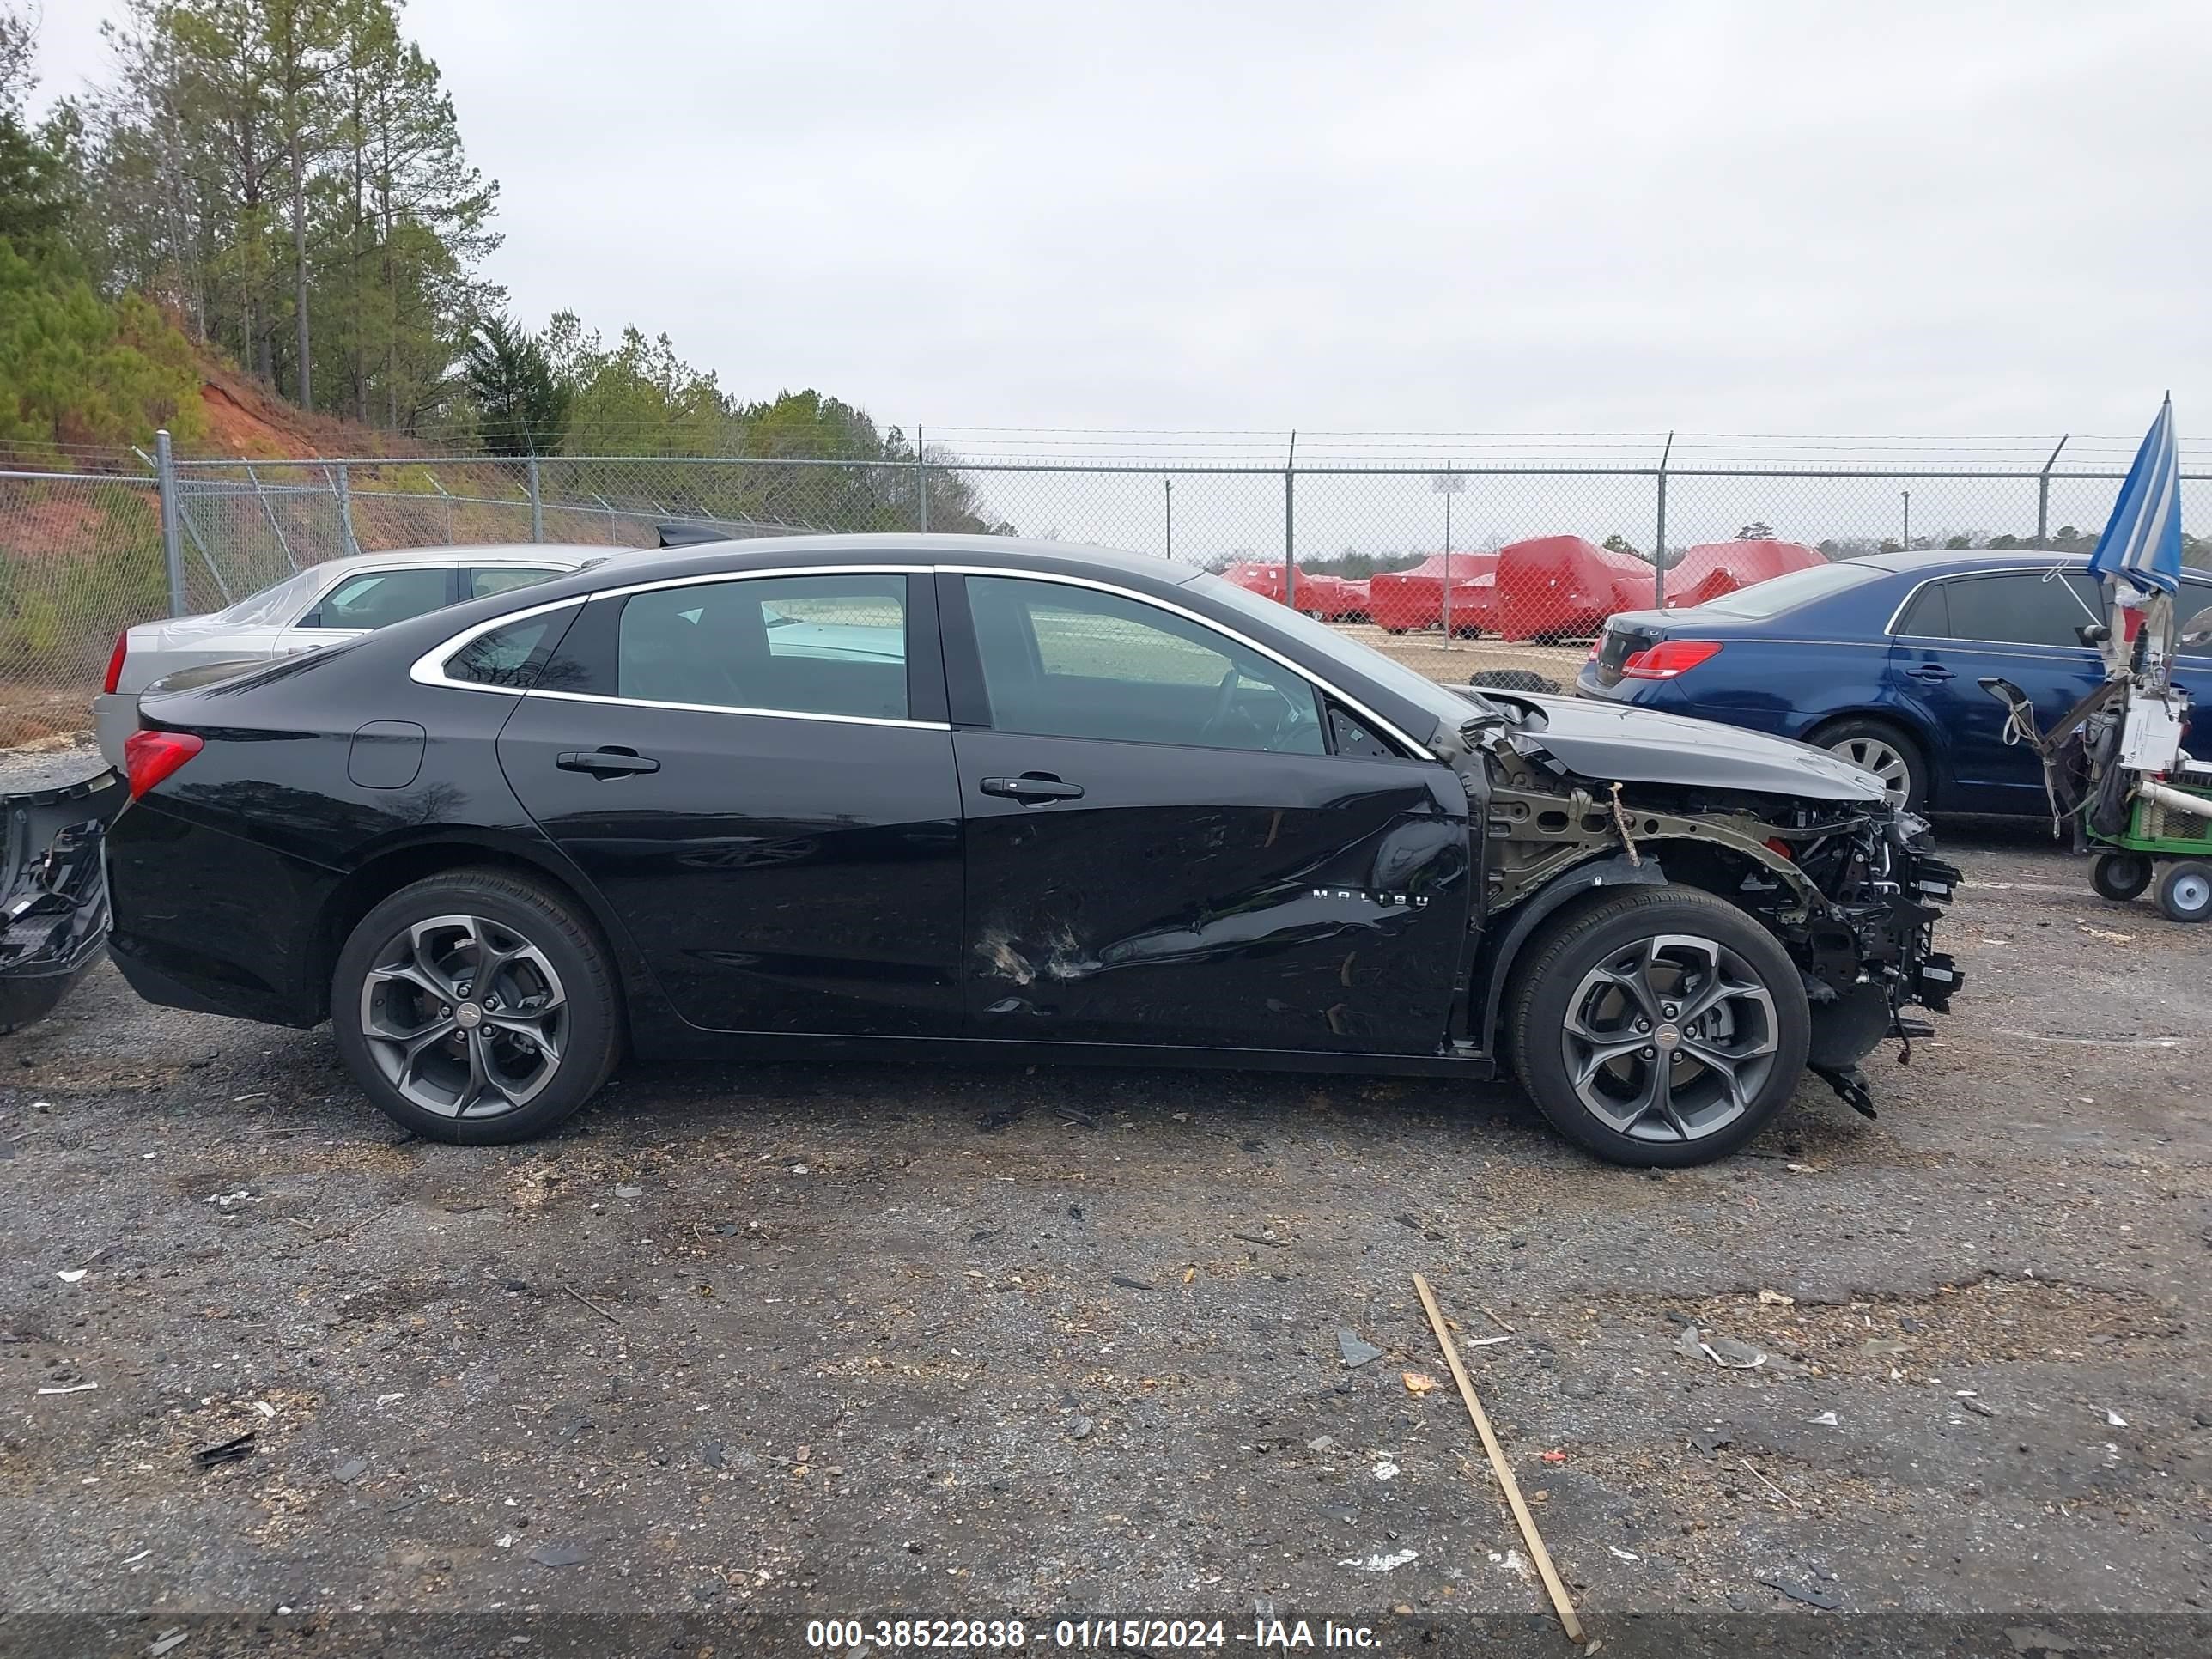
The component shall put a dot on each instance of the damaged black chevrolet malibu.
(969, 797)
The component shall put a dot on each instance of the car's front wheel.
(476, 1006)
(1658, 1026)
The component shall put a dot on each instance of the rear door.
(756, 773)
(2022, 625)
(1174, 838)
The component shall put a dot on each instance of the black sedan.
(896, 796)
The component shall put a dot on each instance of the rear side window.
(2017, 608)
(801, 645)
(377, 599)
(1927, 614)
(487, 579)
(513, 656)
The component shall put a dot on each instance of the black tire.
(1387, 628)
(1565, 964)
(2184, 893)
(553, 975)
(1851, 739)
(2120, 876)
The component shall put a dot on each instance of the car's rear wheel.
(1878, 747)
(1658, 1026)
(476, 1006)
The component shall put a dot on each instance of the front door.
(1172, 837)
(764, 794)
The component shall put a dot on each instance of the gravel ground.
(45, 764)
(761, 1341)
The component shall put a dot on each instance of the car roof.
(524, 553)
(888, 547)
(1965, 561)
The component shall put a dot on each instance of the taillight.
(1664, 660)
(150, 757)
(115, 662)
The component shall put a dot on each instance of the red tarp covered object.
(1712, 569)
(1403, 599)
(1329, 597)
(1563, 586)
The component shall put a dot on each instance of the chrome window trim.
(1420, 751)
(428, 668)
(759, 576)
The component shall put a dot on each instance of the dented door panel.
(1210, 897)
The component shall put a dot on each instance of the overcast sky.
(1930, 218)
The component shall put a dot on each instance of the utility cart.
(2114, 765)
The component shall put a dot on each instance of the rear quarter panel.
(223, 872)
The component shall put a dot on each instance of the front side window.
(377, 599)
(804, 645)
(1073, 662)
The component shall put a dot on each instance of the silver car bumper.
(114, 717)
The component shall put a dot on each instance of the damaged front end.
(1848, 883)
(53, 891)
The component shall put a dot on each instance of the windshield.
(277, 604)
(1450, 707)
(1779, 593)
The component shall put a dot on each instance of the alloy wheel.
(463, 1016)
(1670, 1038)
(1883, 759)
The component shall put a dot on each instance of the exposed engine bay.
(1850, 886)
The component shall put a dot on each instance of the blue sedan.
(1879, 660)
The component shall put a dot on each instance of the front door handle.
(1032, 788)
(607, 762)
(1934, 672)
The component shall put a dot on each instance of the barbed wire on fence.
(82, 551)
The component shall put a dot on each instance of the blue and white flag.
(2142, 543)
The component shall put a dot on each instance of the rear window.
(1787, 593)
(278, 603)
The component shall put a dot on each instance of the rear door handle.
(1934, 672)
(607, 762)
(1032, 788)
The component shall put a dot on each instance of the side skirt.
(1466, 1061)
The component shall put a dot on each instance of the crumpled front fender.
(53, 891)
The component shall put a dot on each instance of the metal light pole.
(1448, 483)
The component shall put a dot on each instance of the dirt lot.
(1452, 661)
(746, 1342)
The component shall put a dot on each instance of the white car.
(321, 605)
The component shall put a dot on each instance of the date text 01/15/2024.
(1082, 1634)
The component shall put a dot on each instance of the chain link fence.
(1454, 565)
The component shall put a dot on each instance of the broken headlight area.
(53, 891)
(1865, 937)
